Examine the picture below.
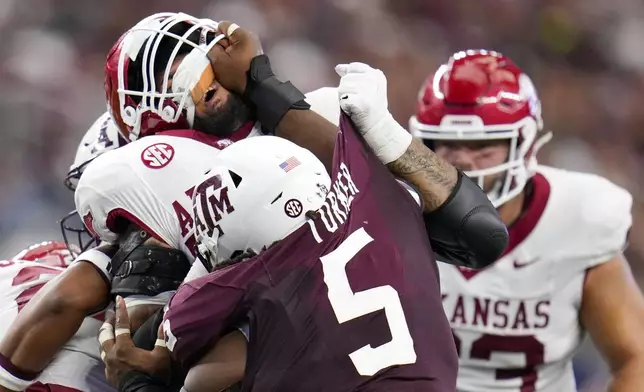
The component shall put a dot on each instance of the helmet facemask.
(521, 161)
(75, 235)
(149, 50)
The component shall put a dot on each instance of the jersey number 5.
(348, 305)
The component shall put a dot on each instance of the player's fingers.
(106, 338)
(218, 50)
(341, 69)
(122, 325)
(347, 106)
(231, 31)
(357, 67)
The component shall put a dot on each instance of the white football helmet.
(102, 136)
(258, 193)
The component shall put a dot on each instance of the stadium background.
(586, 58)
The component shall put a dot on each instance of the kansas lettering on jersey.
(149, 182)
(347, 302)
(516, 323)
(78, 364)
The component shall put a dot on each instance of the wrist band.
(271, 97)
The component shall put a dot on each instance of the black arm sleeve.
(467, 230)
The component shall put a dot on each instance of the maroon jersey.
(349, 302)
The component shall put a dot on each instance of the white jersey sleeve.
(325, 102)
(596, 213)
(148, 182)
(609, 211)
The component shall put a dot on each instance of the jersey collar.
(212, 140)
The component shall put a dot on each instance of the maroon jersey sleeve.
(198, 315)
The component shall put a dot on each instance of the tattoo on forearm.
(431, 175)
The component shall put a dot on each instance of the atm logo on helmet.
(210, 203)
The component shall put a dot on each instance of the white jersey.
(516, 322)
(149, 182)
(78, 364)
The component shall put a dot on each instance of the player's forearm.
(52, 317)
(629, 377)
(281, 108)
(432, 176)
(309, 130)
(464, 227)
(35, 339)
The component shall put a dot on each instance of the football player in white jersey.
(518, 322)
(101, 137)
(143, 203)
(77, 367)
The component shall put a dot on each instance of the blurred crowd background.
(586, 58)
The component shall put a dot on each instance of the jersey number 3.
(348, 305)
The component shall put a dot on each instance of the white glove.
(363, 97)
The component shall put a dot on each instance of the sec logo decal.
(157, 156)
(293, 208)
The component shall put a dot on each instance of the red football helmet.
(52, 253)
(139, 103)
(483, 95)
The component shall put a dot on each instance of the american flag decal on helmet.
(290, 164)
